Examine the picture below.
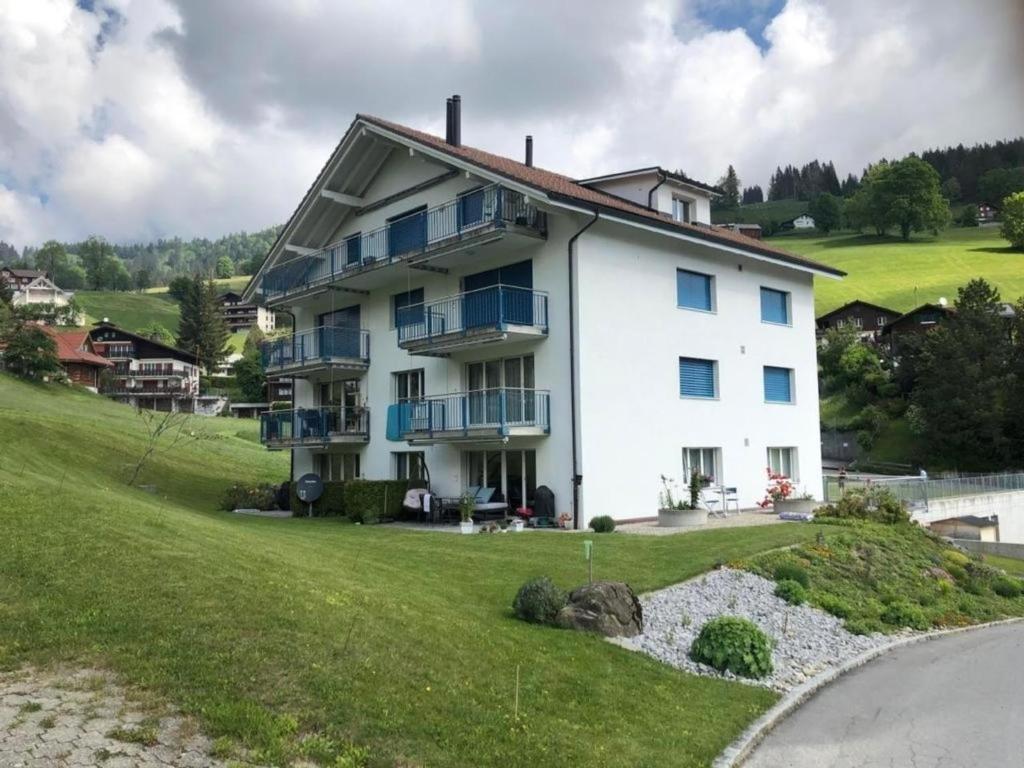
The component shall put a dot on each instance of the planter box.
(682, 518)
(795, 509)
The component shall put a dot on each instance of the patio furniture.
(543, 508)
(730, 496)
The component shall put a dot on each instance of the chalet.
(869, 319)
(750, 230)
(241, 316)
(16, 279)
(78, 357)
(987, 214)
(146, 373)
(56, 305)
(918, 320)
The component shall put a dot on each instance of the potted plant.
(517, 524)
(676, 512)
(779, 496)
(466, 505)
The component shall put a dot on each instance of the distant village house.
(241, 316)
(869, 319)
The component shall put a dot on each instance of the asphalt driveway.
(952, 702)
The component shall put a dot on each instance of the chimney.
(448, 121)
(456, 121)
(529, 151)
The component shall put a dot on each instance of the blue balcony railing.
(497, 307)
(462, 413)
(324, 344)
(314, 425)
(491, 207)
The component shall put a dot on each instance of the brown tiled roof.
(562, 187)
(71, 348)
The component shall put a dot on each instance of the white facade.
(668, 195)
(632, 423)
(803, 222)
(43, 291)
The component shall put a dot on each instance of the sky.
(136, 119)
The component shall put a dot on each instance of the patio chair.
(712, 500)
(730, 496)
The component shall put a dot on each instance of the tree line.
(96, 264)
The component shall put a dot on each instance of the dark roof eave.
(849, 304)
(709, 236)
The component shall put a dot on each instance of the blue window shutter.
(774, 306)
(696, 377)
(412, 299)
(778, 384)
(693, 290)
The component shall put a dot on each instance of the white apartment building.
(514, 328)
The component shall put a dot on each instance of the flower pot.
(795, 508)
(516, 526)
(682, 518)
(466, 526)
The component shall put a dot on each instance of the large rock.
(609, 608)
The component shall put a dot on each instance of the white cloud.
(192, 118)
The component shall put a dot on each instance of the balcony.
(435, 239)
(485, 316)
(468, 416)
(317, 349)
(314, 427)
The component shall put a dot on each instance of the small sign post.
(309, 488)
(588, 555)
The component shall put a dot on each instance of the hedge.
(361, 501)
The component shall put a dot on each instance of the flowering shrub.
(241, 496)
(667, 498)
(779, 488)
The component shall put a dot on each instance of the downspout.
(577, 479)
(291, 453)
(662, 178)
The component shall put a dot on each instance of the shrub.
(241, 496)
(602, 524)
(955, 557)
(900, 613)
(1007, 587)
(362, 501)
(734, 644)
(538, 601)
(791, 591)
(862, 626)
(836, 606)
(792, 572)
(873, 503)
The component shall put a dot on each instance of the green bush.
(362, 501)
(835, 605)
(900, 613)
(241, 496)
(862, 626)
(602, 524)
(873, 503)
(791, 591)
(538, 601)
(734, 644)
(1004, 586)
(792, 572)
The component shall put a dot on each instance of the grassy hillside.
(887, 271)
(271, 630)
(761, 213)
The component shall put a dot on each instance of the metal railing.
(313, 425)
(917, 491)
(459, 413)
(491, 207)
(497, 306)
(317, 345)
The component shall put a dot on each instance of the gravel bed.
(808, 640)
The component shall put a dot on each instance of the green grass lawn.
(268, 630)
(887, 271)
(1008, 564)
(131, 311)
(761, 213)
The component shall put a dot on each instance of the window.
(778, 384)
(697, 378)
(774, 306)
(408, 385)
(409, 465)
(782, 461)
(512, 473)
(407, 308)
(694, 290)
(880, 321)
(704, 460)
(680, 209)
(338, 466)
(504, 383)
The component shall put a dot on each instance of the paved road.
(957, 701)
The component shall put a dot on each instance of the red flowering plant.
(524, 512)
(779, 488)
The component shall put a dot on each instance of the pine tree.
(730, 186)
(202, 330)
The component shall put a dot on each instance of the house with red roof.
(528, 335)
(78, 357)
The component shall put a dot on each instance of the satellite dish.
(943, 302)
(309, 488)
